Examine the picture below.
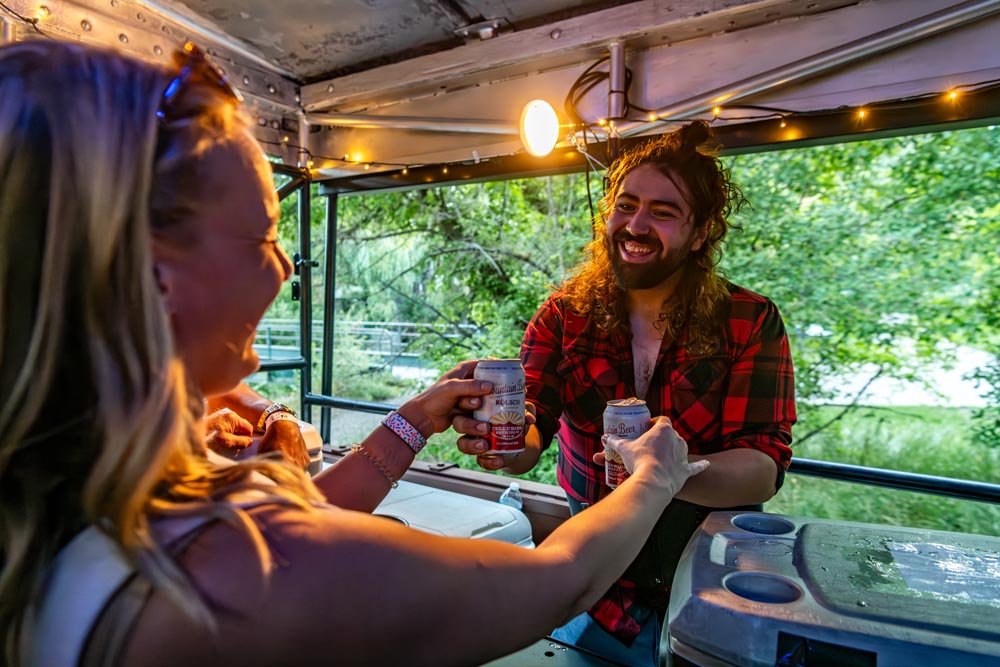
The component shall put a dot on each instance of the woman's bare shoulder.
(261, 608)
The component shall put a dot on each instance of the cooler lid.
(939, 581)
(448, 513)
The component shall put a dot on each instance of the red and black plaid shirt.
(742, 396)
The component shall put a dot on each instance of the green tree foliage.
(878, 253)
(482, 255)
(882, 256)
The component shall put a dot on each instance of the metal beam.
(349, 404)
(820, 63)
(460, 125)
(892, 118)
(282, 364)
(205, 33)
(304, 267)
(290, 187)
(329, 310)
(640, 24)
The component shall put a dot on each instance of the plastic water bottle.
(512, 496)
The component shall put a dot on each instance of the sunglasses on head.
(193, 64)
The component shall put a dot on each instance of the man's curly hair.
(696, 308)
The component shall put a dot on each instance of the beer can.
(626, 418)
(503, 408)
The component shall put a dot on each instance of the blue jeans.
(582, 631)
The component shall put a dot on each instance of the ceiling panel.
(321, 38)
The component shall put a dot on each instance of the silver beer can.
(626, 418)
(503, 407)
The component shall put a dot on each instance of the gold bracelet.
(360, 449)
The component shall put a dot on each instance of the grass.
(932, 441)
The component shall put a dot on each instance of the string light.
(42, 13)
(790, 130)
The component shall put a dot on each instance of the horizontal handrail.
(843, 472)
(349, 404)
(895, 479)
(296, 363)
(292, 322)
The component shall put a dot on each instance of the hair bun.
(694, 134)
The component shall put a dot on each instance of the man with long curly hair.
(648, 315)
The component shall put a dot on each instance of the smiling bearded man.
(647, 315)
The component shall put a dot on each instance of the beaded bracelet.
(360, 449)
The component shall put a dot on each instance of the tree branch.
(850, 407)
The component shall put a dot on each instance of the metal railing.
(278, 338)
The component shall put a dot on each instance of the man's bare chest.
(645, 352)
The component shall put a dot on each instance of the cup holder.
(761, 587)
(764, 524)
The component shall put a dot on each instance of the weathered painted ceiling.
(359, 87)
(324, 38)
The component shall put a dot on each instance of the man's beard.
(647, 274)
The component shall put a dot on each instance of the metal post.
(616, 95)
(305, 304)
(329, 312)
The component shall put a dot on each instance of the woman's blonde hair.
(97, 425)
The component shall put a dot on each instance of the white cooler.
(447, 513)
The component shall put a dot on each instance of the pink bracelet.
(406, 431)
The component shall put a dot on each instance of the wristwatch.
(270, 410)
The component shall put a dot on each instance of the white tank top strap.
(84, 577)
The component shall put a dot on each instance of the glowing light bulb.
(539, 127)
(862, 113)
(953, 95)
(284, 140)
(444, 170)
(310, 164)
(652, 117)
(406, 170)
(42, 13)
(367, 166)
(716, 111)
(783, 123)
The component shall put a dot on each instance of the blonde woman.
(137, 253)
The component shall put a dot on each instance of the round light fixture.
(539, 127)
